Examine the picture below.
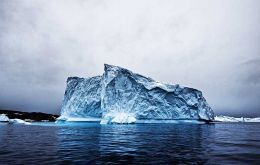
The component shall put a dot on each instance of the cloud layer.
(212, 46)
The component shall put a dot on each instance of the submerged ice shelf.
(121, 96)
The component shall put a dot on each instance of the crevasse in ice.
(121, 96)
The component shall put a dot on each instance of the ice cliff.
(121, 96)
(82, 98)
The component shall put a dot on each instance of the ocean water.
(92, 143)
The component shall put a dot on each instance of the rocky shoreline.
(29, 116)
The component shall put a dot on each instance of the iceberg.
(253, 120)
(18, 121)
(121, 96)
(4, 118)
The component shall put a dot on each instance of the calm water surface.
(91, 143)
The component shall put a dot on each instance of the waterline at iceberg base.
(121, 96)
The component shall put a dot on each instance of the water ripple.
(91, 143)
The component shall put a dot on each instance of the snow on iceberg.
(4, 118)
(121, 96)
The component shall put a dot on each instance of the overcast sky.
(210, 45)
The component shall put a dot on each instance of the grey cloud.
(252, 68)
(212, 46)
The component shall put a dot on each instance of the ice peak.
(115, 69)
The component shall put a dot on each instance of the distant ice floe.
(235, 119)
(4, 118)
(18, 121)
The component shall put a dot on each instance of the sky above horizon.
(212, 46)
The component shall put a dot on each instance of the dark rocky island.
(29, 116)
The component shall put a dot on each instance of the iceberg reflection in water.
(87, 143)
(136, 143)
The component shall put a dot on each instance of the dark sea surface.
(92, 143)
